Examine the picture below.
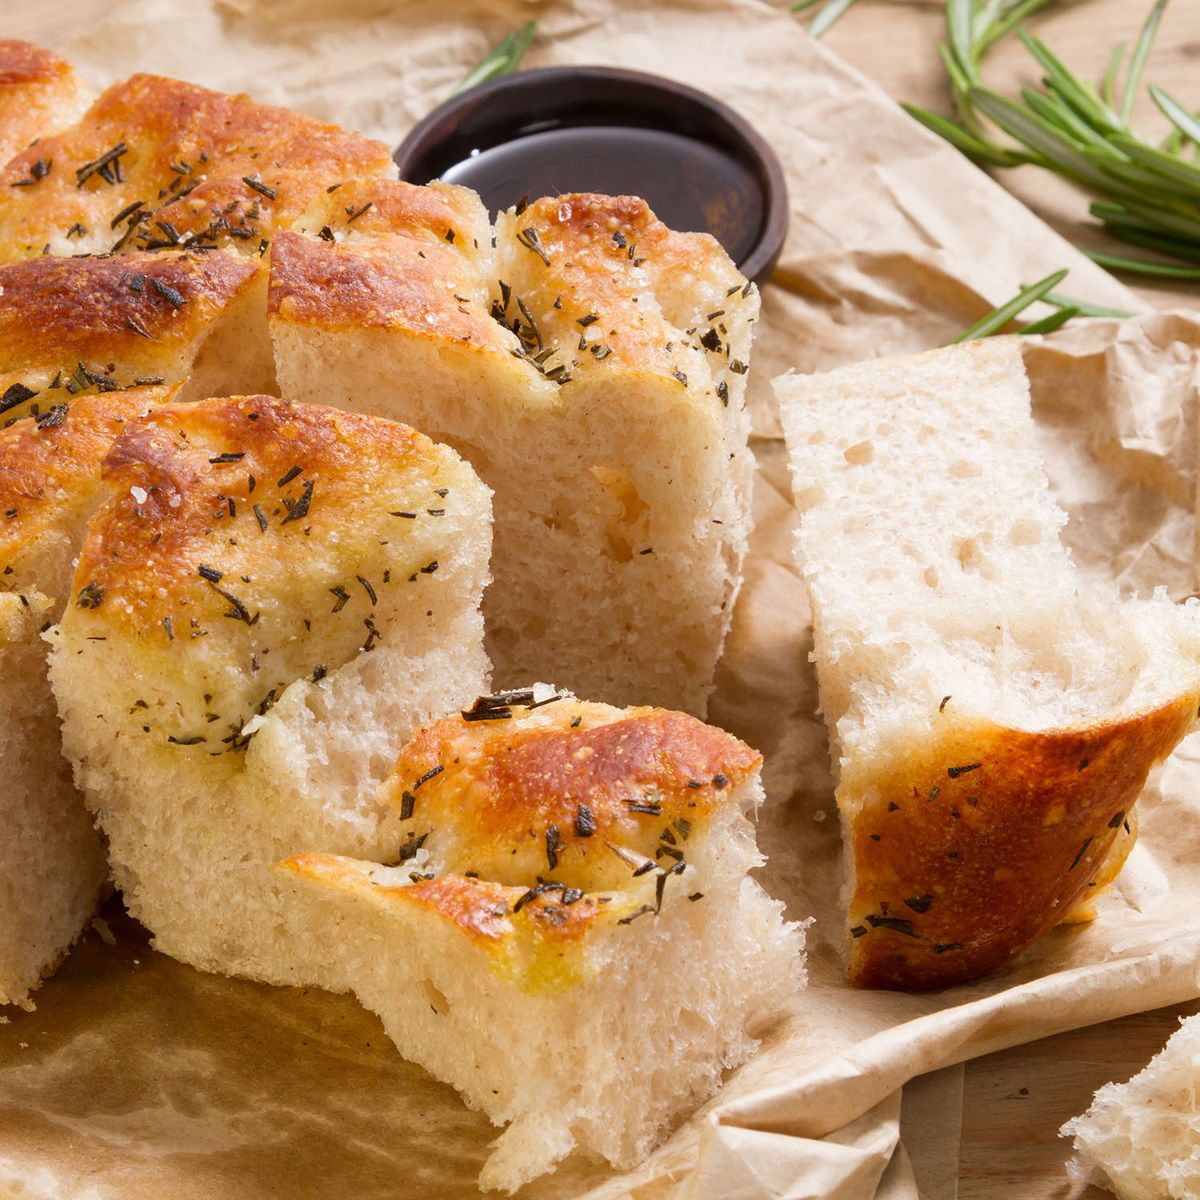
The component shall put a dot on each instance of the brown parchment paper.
(139, 1077)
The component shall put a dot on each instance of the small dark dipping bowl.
(597, 129)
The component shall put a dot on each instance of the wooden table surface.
(1013, 1102)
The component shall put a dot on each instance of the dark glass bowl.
(599, 129)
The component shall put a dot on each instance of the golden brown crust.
(485, 911)
(139, 314)
(436, 214)
(597, 257)
(583, 793)
(172, 512)
(977, 845)
(395, 282)
(199, 148)
(37, 89)
(50, 469)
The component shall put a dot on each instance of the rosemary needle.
(996, 320)
(825, 19)
(503, 59)
(1147, 194)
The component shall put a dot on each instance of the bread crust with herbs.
(229, 171)
(981, 841)
(118, 322)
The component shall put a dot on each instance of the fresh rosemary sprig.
(1148, 194)
(1066, 308)
(824, 20)
(502, 60)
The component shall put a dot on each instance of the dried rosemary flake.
(134, 327)
(90, 596)
(53, 417)
(261, 516)
(554, 844)
(16, 393)
(1082, 851)
(299, 510)
(585, 821)
(292, 473)
(253, 181)
(100, 166)
(528, 238)
(898, 924)
(430, 774)
(408, 803)
(169, 294)
(921, 903)
(955, 772)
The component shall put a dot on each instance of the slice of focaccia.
(568, 932)
(51, 858)
(591, 366)
(86, 346)
(273, 597)
(992, 719)
(156, 163)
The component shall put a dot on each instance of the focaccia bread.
(272, 598)
(86, 344)
(1143, 1136)
(992, 719)
(591, 366)
(51, 858)
(39, 93)
(157, 163)
(568, 932)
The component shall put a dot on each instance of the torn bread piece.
(568, 932)
(992, 719)
(52, 862)
(39, 94)
(273, 597)
(1143, 1136)
(156, 163)
(591, 367)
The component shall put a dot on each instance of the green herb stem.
(502, 60)
(998, 318)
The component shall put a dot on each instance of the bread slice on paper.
(591, 365)
(271, 600)
(992, 716)
(1143, 1137)
(568, 933)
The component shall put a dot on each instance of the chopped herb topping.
(299, 509)
(263, 523)
(944, 947)
(16, 393)
(1082, 851)
(90, 596)
(408, 804)
(528, 238)
(554, 844)
(955, 772)
(919, 903)
(53, 417)
(585, 822)
(102, 166)
(428, 776)
(633, 916)
(169, 294)
(229, 457)
(210, 573)
(898, 924)
(253, 182)
(1115, 823)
